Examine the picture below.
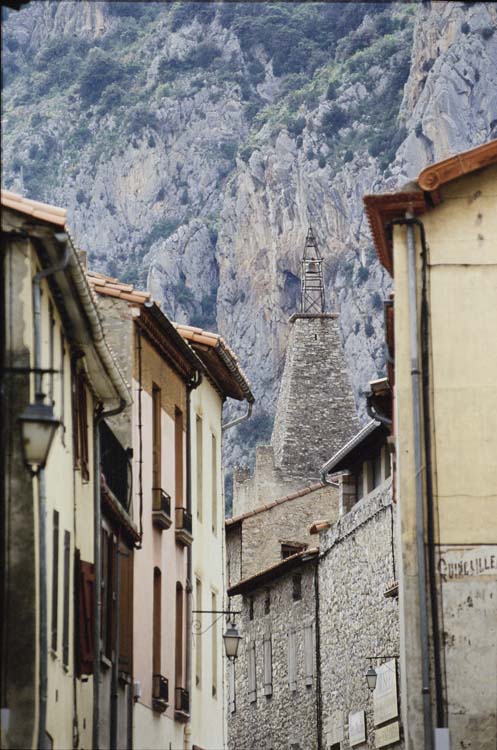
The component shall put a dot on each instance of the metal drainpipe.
(97, 516)
(189, 566)
(236, 421)
(418, 471)
(42, 498)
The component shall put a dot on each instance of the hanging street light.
(232, 640)
(371, 677)
(38, 427)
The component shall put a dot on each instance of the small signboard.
(387, 735)
(385, 693)
(357, 728)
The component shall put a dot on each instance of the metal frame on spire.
(311, 277)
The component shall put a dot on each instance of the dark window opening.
(297, 587)
(251, 608)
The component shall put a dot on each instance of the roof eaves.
(365, 432)
(275, 503)
(273, 571)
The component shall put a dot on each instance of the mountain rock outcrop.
(193, 144)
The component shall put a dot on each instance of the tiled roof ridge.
(36, 209)
(309, 553)
(269, 506)
(216, 341)
(112, 287)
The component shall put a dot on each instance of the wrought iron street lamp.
(38, 427)
(231, 637)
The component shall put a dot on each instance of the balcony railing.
(160, 693)
(182, 701)
(183, 526)
(115, 465)
(161, 508)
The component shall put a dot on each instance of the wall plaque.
(385, 693)
(387, 735)
(357, 728)
(333, 728)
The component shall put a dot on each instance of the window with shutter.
(231, 687)
(292, 661)
(308, 654)
(84, 615)
(252, 684)
(178, 457)
(156, 437)
(65, 621)
(268, 665)
(125, 609)
(55, 579)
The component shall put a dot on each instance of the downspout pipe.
(319, 705)
(194, 383)
(375, 414)
(238, 420)
(409, 222)
(97, 553)
(42, 502)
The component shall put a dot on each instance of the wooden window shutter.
(252, 684)
(178, 457)
(268, 665)
(308, 654)
(292, 661)
(231, 687)
(156, 437)
(125, 609)
(84, 615)
(75, 413)
(55, 580)
(65, 622)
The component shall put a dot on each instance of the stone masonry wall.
(263, 532)
(287, 719)
(266, 483)
(316, 412)
(357, 563)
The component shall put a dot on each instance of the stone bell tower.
(316, 411)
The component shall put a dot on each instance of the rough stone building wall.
(287, 719)
(316, 412)
(356, 619)
(266, 483)
(263, 532)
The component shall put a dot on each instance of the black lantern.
(371, 677)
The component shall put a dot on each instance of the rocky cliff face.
(193, 144)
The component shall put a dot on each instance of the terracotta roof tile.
(269, 506)
(35, 209)
(111, 287)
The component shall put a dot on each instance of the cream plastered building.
(222, 378)
(163, 371)
(443, 337)
(52, 344)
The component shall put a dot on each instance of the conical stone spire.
(316, 412)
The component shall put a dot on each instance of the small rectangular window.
(198, 629)
(377, 470)
(157, 623)
(251, 607)
(232, 687)
(55, 579)
(178, 453)
(214, 642)
(360, 484)
(308, 654)
(51, 353)
(386, 460)
(67, 581)
(214, 484)
(297, 587)
(200, 469)
(252, 684)
(156, 437)
(268, 665)
(292, 660)
(267, 602)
